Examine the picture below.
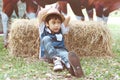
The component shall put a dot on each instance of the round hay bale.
(24, 38)
(89, 38)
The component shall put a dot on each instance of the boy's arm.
(41, 13)
(67, 19)
(64, 26)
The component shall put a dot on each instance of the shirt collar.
(48, 30)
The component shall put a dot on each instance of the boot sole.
(75, 63)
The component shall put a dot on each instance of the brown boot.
(71, 71)
(75, 65)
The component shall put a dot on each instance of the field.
(95, 68)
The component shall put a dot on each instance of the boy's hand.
(67, 19)
(41, 13)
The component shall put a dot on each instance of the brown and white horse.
(32, 6)
(104, 7)
(8, 7)
(61, 5)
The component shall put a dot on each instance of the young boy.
(52, 28)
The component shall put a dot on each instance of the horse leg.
(5, 27)
(75, 6)
(89, 10)
(6, 13)
(79, 15)
(99, 11)
(16, 10)
(105, 15)
(63, 7)
(31, 9)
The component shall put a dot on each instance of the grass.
(115, 31)
(95, 68)
(115, 13)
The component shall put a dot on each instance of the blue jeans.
(51, 52)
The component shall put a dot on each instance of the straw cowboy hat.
(53, 11)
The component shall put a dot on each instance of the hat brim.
(45, 16)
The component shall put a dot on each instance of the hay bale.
(89, 38)
(24, 38)
(85, 38)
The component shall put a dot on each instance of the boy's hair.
(53, 16)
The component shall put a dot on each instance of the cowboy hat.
(53, 11)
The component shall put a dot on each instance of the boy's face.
(54, 25)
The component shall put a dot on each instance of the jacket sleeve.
(41, 29)
(64, 29)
